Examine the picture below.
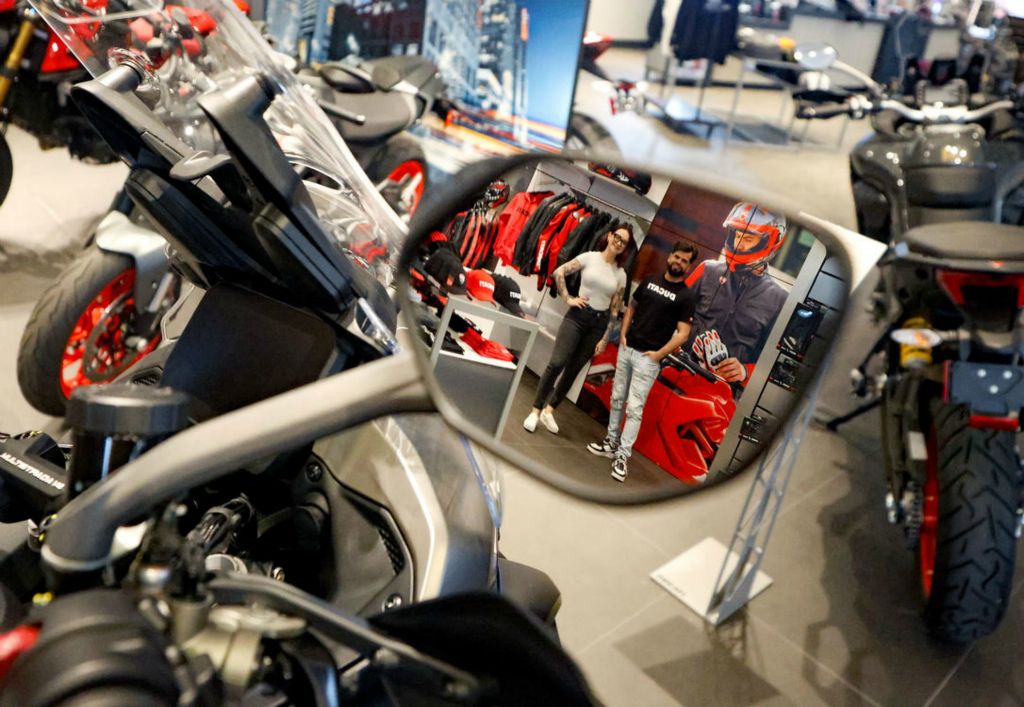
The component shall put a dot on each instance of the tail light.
(990, 301)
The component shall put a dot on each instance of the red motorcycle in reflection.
(687, 413)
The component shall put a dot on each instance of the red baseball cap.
(480, 285)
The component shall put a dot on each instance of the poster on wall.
(509, 66)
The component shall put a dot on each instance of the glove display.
(709, 349)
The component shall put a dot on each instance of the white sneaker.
(620, 468)
(548, 420)
(530, 423)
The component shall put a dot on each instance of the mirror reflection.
(622, 328)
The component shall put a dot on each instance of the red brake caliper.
(412, 171)
(929, 516)
(100, 334)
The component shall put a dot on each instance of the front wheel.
(967, 544)
(85, 329)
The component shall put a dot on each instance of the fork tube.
(14, 58)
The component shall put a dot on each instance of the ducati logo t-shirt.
(658, 306)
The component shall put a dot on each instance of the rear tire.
(6, 168)
(974, 535)
(46, 339)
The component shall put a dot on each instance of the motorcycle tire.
(89, 293)
(400, 164)
(6, 168)
(967, 544)
(586, 133)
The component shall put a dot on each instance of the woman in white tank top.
(584, 330)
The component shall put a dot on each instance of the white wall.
(622, 19)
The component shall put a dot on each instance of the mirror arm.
(872, 85)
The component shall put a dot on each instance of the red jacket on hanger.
(513, 218)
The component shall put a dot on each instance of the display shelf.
(482, 388)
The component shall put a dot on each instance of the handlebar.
(944, 114)
(686, 362)
(859, 106)
(822, 112)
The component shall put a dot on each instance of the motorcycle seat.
(975, 240)
(390, 71)
(387, 113)
(383, 74)
(346, 78)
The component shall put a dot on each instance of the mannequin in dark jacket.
(737, 300)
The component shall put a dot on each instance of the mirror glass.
(816, 56)
(522, 292)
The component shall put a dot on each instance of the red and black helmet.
(497, 193)
(749, 218)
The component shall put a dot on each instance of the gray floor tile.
(846, 593)
(990, 671)
(601, 568)
(666, 655)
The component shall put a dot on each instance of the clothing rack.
(585, 194)
(589, 198)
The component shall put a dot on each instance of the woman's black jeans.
(577, 336)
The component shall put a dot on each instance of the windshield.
(197, 46)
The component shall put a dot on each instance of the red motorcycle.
(685, 418)
(39, 71)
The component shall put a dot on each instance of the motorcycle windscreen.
(198, 47)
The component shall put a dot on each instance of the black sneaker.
(619, 468)
(604, 448)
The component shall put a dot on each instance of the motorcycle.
(40, 94)
(39, 71)
(947, 369)
(938, 156)
(251, 576)
(103, 313)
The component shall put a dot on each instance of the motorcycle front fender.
(117, 234)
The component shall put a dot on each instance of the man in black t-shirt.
(657, 322)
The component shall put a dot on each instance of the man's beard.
(675, 271)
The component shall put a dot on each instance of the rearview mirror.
(517, 282)
(816, 56)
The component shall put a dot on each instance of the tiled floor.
(840, 624)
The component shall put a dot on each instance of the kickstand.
(833, 424)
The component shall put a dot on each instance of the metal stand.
(739, 577)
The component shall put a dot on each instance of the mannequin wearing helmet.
(737, 301)
(754, 235)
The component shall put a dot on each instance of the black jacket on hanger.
(526, 245)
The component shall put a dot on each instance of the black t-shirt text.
(658, 306)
